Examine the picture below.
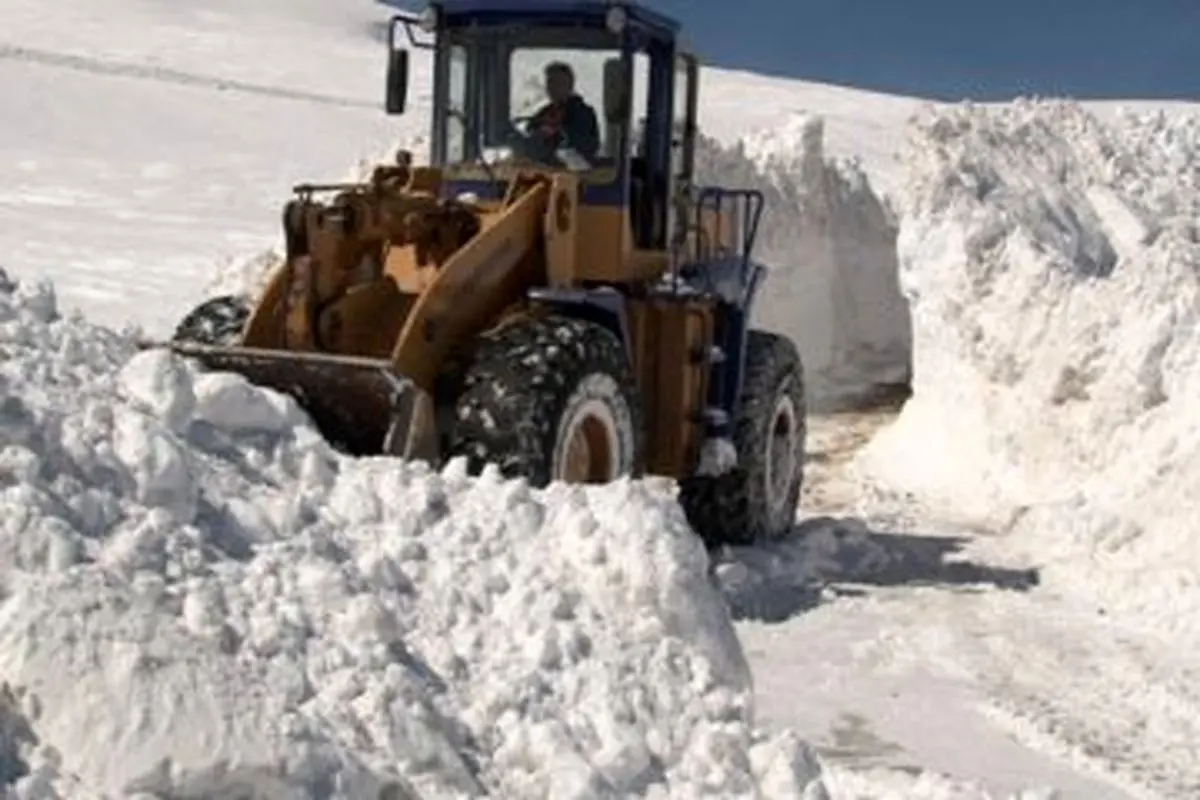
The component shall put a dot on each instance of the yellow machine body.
(387, 283)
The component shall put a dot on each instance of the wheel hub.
(591, 443)
(781, 456)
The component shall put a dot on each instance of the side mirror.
(397, 81)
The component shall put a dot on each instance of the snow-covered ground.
(130, 166)
(196, 595)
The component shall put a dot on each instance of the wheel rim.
(781, 452)
(590, 444)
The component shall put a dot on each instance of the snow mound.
(1052, 265)
(245, 276)
(830, 242)
(199, 598)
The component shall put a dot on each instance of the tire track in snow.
(104, 66)
(1116, 708)
(1117, 705)
(1110, 702)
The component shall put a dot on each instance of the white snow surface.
(1051, 260)
(198, 595)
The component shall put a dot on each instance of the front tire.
(550, 399)
(758, 498)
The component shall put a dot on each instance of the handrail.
(747, 205)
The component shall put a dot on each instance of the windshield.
(512, 95)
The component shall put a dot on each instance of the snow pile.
(1052, 263)
(830, 242)
(799, 135)
(199, 598)
(245, 276)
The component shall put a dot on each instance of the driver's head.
(560, 81)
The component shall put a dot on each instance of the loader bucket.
(353, 401)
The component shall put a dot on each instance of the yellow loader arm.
(359, 321)
(490, 273)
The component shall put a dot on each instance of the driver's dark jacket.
(576, 119)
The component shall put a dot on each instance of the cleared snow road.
(888, 644)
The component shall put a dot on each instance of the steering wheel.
(527, 143)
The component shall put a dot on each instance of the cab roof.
(552, 12)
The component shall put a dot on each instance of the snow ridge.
(200, 597)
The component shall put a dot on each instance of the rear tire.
(550, 398)
(217, 321)
(758, 498)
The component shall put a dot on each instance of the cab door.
(682, 167)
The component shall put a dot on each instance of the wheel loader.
(565, 303)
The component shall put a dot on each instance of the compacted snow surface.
(198, 596)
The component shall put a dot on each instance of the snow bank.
(1052, 264)
(830, 241)
(199, 598)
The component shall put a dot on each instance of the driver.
(566, 114)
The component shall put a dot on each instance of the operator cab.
(598, 88)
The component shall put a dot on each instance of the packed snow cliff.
(830, 239)
(1052, 265)
(199, 598)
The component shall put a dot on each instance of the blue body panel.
(734, 284)
(732, 280)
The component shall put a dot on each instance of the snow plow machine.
(552, 293)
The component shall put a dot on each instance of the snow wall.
(199, 598)
(1052, 264)
(830, 242)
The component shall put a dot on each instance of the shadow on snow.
(824, 558)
